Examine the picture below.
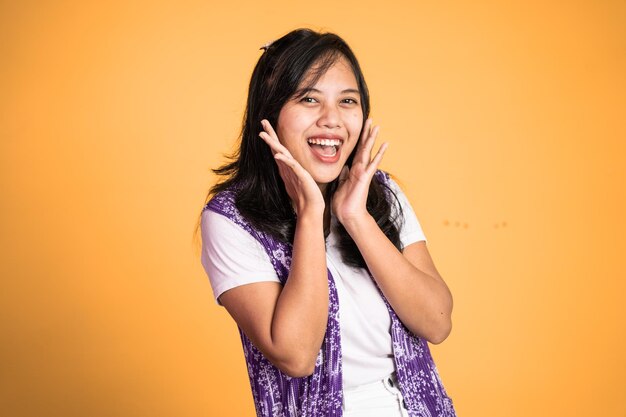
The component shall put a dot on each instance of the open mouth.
(325, 147)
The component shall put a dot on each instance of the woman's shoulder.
(382, 176)
(388, 182)
(223, 201)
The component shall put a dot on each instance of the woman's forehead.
(321, 67)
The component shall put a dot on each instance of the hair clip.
(267, 45)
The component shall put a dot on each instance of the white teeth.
(325, 142)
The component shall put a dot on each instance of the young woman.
(316, 254)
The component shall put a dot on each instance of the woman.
(316, 254)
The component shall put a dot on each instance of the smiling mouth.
(325, 147)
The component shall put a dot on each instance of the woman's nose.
(329, 117)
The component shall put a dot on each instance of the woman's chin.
(324, 179)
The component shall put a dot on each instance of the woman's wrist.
(310, 214)
(356, 223)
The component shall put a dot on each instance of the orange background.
(507, 129)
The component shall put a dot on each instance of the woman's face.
(322, 127)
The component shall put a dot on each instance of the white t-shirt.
(232, 257)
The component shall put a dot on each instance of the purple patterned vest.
(320, 394)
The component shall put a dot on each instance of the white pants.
(377, 399)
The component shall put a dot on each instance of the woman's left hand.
(349, 201)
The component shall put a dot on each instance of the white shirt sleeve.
(411, 230)
(231, 256)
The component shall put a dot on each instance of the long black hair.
(252, 171)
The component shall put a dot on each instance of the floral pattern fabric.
(320, 394)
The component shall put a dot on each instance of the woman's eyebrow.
(315, 90)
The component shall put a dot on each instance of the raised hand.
(302, 189)
(349, 201)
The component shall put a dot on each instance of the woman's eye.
(308, 100)
(349, 101)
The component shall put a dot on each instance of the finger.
(267, 126)
(366, 129)
(369, 144)
(365, 134)
(373, 166)
(290, 162)
(271, 138)
(271, 142)
(285, 168)
(274, 144)
(269, 129)
(290, 170)
(365, 151)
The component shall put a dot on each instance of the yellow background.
(507, 126)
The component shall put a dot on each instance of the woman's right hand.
(302, 189)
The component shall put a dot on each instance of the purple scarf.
(320, 394)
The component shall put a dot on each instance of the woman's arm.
(288, 323)
(408, 279)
